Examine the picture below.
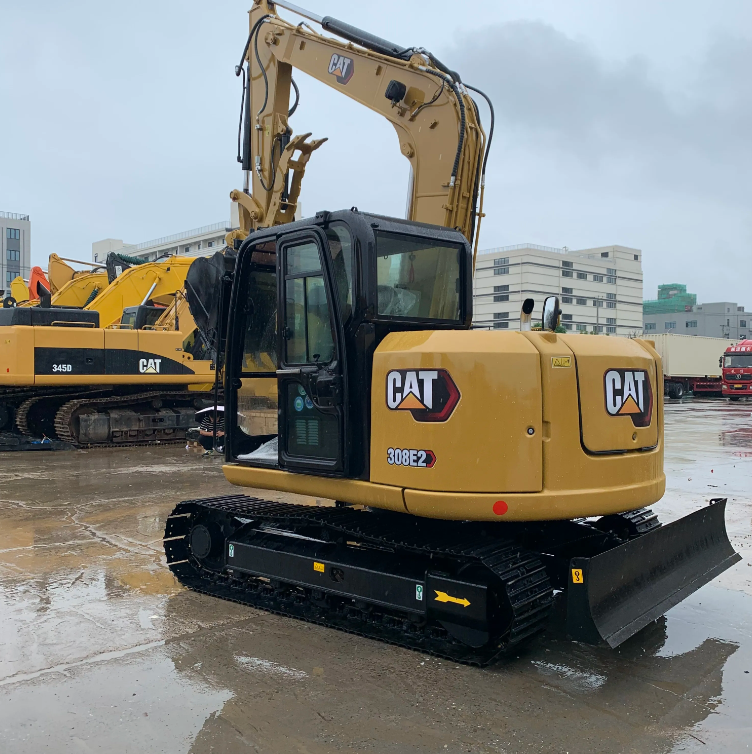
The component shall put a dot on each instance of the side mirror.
(526, 313)
(720, 361)
(551, 313)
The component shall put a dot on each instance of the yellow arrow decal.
(444, 597)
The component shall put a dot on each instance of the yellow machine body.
(18, 345)
(19, 290)
(77, 290)
(530, 437)
(130, 288)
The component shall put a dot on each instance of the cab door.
(310, 357)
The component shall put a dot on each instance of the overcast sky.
(617, 123)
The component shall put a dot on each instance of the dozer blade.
(613, 595)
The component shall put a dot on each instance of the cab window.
(128, 320)
(260, 342)
(737, 361)
(308, 329)
(343, 264)
(417, 278)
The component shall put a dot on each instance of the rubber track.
(522, 573)
(65, 414)
(643, 519)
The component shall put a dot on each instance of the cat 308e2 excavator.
(475, 472)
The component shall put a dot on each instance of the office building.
(600, 289)
(15, 245)
(720, 319)
(191, 243)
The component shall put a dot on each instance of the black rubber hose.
(239, 66)
(129, 259)
(431, 101)
(478, 178)
(245, 102)
(240, 120)
(297, 97)
(442, 67)
(490, 130)
(247, 128)
(94, 293)
(271, 162)
(461, 142)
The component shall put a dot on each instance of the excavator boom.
(436, 120)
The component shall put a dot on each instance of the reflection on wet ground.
(100, 650)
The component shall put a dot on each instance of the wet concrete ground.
(101, 651)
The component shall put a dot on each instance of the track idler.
(613, 595)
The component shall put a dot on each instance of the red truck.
(737, 371)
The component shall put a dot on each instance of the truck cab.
(737, 371)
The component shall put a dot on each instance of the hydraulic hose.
(490, 130)
(130, 260)
(297, 97)
(94, 293)
(461, 142)
(255, 34)
(245, 103)
(479, 211)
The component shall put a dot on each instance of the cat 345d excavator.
(125, 365)
(475, 472)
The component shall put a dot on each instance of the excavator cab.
(141, 317)
(311, 302)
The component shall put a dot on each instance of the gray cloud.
(119, 120)
(557, 93)
(594, 150)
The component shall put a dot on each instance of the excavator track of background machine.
(65, 418)
(330, 548)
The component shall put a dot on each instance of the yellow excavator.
(124, 365)
(475, 473)
(66, 286)
(71, 287)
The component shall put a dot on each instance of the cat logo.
(341, 67)
(149, 366)
(430, 395)
(628, 393)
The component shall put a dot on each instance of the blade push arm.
(435, 119)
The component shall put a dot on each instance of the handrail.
(185, 234)
(518, 246)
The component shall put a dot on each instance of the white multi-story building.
(191, 243)
(600, 289)
(15, 248)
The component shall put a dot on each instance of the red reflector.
(500, 507)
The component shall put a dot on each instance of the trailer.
(691, 364)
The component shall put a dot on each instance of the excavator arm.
(436, 120)
(153, 281)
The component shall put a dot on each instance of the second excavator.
(476, 473)
(127, 365)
